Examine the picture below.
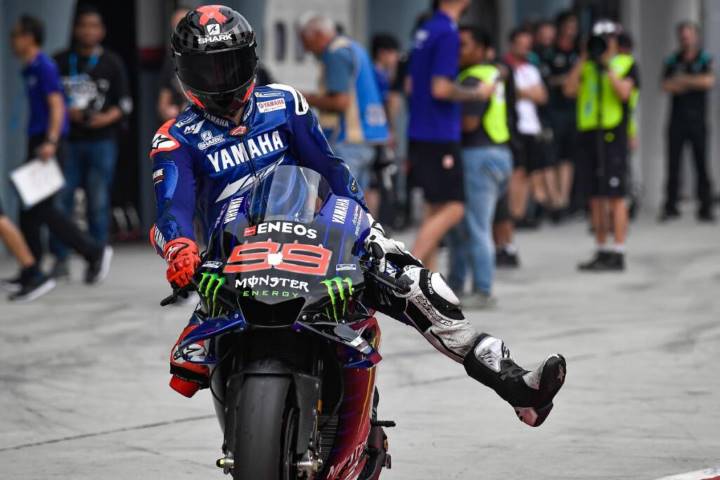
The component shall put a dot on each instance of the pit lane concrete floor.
(83, 373)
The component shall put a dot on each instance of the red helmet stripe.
(211, 12)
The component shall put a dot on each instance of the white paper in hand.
(36, 180)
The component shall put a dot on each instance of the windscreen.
(290, 193)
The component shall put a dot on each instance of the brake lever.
(399, 285)
(177, 293)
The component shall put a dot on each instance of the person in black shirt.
(561, 109)
(98, 98)
(688, 75)
(171, 99)
(548, 181)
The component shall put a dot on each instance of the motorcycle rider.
(231, 134)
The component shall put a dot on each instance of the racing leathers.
(201, 161)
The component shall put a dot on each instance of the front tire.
(265, 430)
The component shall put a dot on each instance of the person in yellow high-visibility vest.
(603, 82)
(487, 166)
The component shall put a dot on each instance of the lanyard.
(73, 60)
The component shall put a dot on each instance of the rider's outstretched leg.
(433, 309)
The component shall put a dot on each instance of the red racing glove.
(183, 259)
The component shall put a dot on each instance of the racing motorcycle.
(291, 348)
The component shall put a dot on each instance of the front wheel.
(265, 430)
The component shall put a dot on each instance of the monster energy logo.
(208, 288)
(343, 287)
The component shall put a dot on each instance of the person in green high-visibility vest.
(487, 166)
(603, 82)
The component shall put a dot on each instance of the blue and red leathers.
(200, 160)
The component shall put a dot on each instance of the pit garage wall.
(710, 13)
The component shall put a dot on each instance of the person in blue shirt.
(351, 110)
(232, 134)
(434, 128)
(47, 126)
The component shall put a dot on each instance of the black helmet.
(214, 53)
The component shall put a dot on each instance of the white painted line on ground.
(708, 474)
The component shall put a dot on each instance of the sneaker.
(530, 393)
(12, 285)
(97, 270)
(705, 215)
(527, 223)
(60, 270)
(668, 214)
(33, 289)
(506, 259)
(597, 263)
(615, 262)
(478, 301)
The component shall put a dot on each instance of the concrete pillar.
(711, 29)
(396, 17)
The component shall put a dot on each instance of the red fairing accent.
(183, 371)
(184, 387)
(208, 12)
(349, 457)
(163, 141)
(194, 99)
(248, 93)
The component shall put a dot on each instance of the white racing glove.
(390, 255)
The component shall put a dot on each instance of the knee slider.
(438, 292)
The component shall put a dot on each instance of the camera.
(596, 46)
(598, 42)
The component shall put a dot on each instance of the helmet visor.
(216, 72)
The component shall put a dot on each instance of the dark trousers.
(680, 133)
(47, 214)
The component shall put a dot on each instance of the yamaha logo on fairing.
(246, 150)
(341, 210)
(233, 209)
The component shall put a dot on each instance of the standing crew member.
(98, 95)
(688, 76)
(434, 129)
(603, 83)
(561, 110)
(47, 127)
(487, 164)
(352, 114)
(528, 174)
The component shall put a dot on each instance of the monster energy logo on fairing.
(344, 289)
(208, 288)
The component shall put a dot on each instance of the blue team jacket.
(200, 161)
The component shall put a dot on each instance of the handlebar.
(177, 293)
(399, 285)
